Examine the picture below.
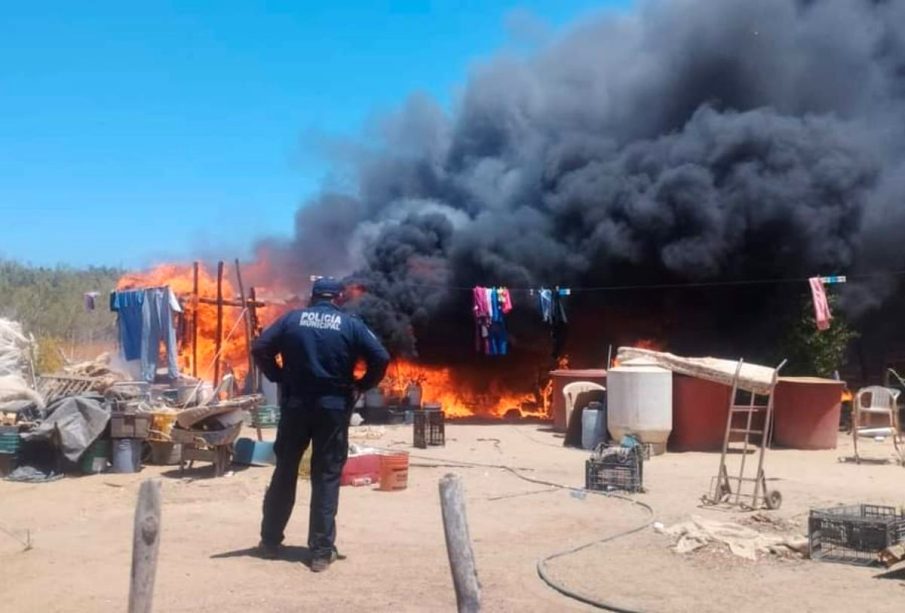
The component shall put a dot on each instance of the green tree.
(817, 352)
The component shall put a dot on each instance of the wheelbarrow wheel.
(773, 500)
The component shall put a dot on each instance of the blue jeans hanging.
(157, 325)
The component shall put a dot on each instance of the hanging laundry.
(821, 305)
(561, 311)
(499, 339)
(157, 325)
(482, 315)
(145, 318)
(128, 308)
(553, 313)
(545, 302)
(481, 304)
(558, 323)
(505, 300)
(489, 306)
(91, 300)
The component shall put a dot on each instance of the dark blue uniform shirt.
(319, 347)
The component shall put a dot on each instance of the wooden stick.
(219, 338)
(234, 303)
(145, 544)
(195, 321)
(253, 327)
(250, 378)
(253, 304)
(458, 544)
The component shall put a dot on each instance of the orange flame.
(847, 395)
(440, 385)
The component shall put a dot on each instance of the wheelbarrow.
(215, 446)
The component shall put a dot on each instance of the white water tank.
(639, 402)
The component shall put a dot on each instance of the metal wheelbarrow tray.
(215, 446)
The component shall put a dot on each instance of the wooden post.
(195, 306)
(253, 328)
(145, 544)
(219, 338)
(458, 544)
(253, 305)
(250, 378)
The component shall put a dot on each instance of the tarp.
(80, 420)
(743, 542)
(752, 378)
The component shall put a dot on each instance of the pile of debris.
(16, 370)
(90, 415)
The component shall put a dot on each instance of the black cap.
(327, 287)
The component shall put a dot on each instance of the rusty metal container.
(806, 412)
(699, 412)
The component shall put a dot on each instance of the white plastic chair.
(876, 400)
(571, 392)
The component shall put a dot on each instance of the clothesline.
(612, 288)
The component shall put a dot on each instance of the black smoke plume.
(683, 141)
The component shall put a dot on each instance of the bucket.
(126, 455)
(394, 471)
(593, 421)
(94, 460)
(250, 452)
(161, 425)
(165, 454)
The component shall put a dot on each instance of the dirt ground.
(81, 534)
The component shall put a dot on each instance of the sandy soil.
(81, 532)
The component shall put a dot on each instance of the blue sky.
(134, 132)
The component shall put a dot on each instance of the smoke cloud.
(687, 140)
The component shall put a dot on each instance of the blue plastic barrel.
(593, 425)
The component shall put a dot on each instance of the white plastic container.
(639, 402)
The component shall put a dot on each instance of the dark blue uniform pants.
(328, 431)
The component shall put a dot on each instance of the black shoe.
(269, 551)
(322, 563)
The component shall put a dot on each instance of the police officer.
(319, 347)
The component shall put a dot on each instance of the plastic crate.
(854, 534)
(428, 427)
(130, 425)
(615, 468)
(267, 416)
(10, 441)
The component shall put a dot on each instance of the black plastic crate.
(615, 468)
(854, 534)
(428, 427)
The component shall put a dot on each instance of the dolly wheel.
(773, 500)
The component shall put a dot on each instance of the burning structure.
(684, 168)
